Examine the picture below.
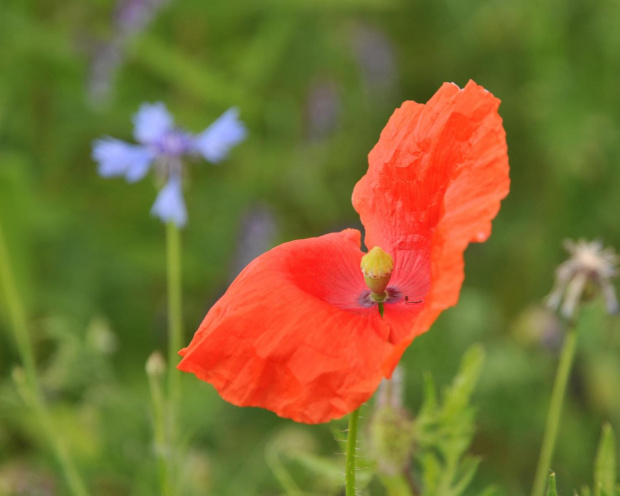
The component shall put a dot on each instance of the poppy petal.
(438, 174)
(290, 335)
(296, 332)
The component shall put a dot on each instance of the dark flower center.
(174, 143)
(393, 295)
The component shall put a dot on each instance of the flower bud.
(377, 267)
(391, 431)
(155, 365)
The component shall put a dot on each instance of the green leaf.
(260, 61)
(605, 463)
(330, 469)
(396, 485)
(279, 469)
(444, 430)
(552, 491)
(324, 467)
(457, 396)
(187, 73)
(430, 396)
(467, 471)
(431, 470)
(489, 491)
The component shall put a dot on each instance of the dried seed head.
(589, 270)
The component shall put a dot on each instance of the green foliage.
(605, 464)
(290, 456)
(605, 482)
(439, 437)
(80, 360)
(552, 490)
(443, 431)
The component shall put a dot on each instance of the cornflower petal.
(117, 158)
(215, 142)
(152, 122)
(169, 205)
(160, 140)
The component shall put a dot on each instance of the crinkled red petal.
(434, 183)
(293, 333)
(290, 334)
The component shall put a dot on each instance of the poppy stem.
(27, 381)
(351, 449)
(555, 409)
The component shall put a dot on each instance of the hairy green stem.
(351, 449)
(30, 389)
(555, 410)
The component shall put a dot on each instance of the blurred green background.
(315, 81)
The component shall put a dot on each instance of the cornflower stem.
(555, 409)
(159, 423)
(175, 334)
(175, 317)
(351, 448)
(28, 383)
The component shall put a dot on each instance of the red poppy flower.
(297, 333)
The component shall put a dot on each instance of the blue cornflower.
(163, 144)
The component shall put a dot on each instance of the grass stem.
(29, 387)
(158, 405)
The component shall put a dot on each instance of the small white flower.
(589, 266)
